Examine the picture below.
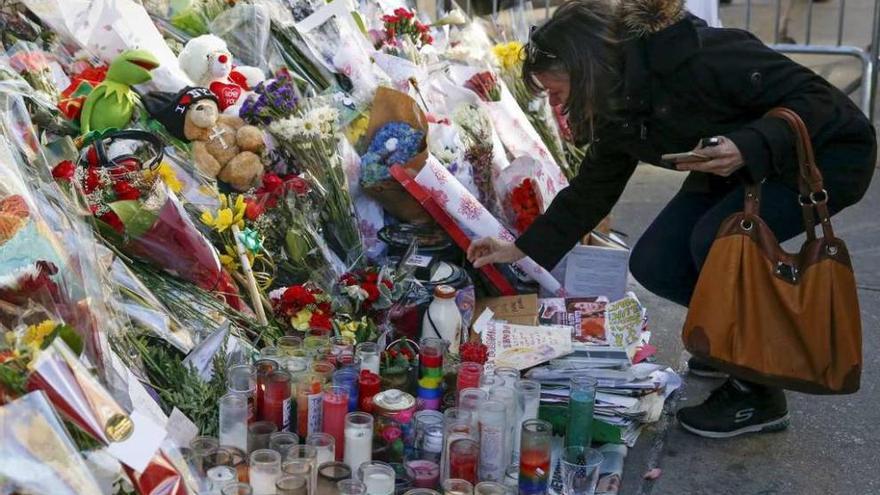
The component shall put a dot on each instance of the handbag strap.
(813, 196)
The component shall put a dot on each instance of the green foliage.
(180, 386)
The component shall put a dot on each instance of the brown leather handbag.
(775, 318)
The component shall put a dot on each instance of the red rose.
(348, 280)
(64, 170)
(272, 183)
(92, 156)
(403, 13)
(253, 210)
(388, 284)
(298, 185)
(372, 291)
(125, 191)
(320, 320)
(371, 277)
(324, 307)
(93, 180)
(112, 219)
(298, 296)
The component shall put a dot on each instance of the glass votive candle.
(471, 400)
(325, 446)
(233, 416)
(288, 343)
(282, 441)
(297, 360)
(454, 486)
(331, 473)
(489, 382)
(202, 449)
(242, 379)
(534, 459)
(270, 352)
(237, 459)
(324, 369)
(259, 433)
(299, 467)
(378, 477)
(335, 410)
(237, 489)
(220, 476)
(369, 354)
(308, 454)
(511, 477)
(421, 491)
(358, 443)
(348, 361)
(464, 456)
(342, 345)
(264, 368)
(468, 375)
(508, 374)
(425, 473)
(351, 487)
(265, 469)
(490, 488)
(348, 379)
(316, 344)
(292, 484)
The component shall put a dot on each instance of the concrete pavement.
(832, 443)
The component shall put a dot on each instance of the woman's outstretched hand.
(724, 159)
(491, 250)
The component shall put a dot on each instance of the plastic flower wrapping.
(140, 294)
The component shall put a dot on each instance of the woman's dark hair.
(581, 40)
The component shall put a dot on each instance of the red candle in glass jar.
(469, 375)
(335, 409)
(276, 400)
(264, 368)
(464, 456)
(369, 384)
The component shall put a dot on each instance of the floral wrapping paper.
(474, 218)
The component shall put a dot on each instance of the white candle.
(369, 354)
(358, 443)
(379, 483)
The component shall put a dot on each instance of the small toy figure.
(112, 103)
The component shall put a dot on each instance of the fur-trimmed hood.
(645, 17)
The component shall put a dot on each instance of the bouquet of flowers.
(311, 134)
(402, 25)
(484, 85)
(138, 210)
(304, 307)
(367, 291)
(509, 59)
(475, 129)
(525, 204)
(393, 144)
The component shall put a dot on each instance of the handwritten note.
(623, 321)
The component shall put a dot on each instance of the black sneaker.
(736, 408)
(698, 367)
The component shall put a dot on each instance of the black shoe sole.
(707, 373)
(770, 426)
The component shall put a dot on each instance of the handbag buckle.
(787, 272)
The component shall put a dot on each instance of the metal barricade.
(866, 55)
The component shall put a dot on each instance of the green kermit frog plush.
(112, 102)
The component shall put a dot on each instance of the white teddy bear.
(208, 62)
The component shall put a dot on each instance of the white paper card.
(141, 446)
(180, 429)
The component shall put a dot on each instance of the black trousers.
(667, 258)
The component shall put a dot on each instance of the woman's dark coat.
(684, 81)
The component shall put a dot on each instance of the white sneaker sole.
(775, 425)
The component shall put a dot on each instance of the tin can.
(394, 410)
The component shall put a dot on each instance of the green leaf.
(136, 219)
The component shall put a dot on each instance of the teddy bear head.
(205, 58)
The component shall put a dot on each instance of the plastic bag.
(246, 29)
(38, 455)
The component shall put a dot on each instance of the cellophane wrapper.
(473, 217)
(174, 244)
(77, 394)
(37, 454)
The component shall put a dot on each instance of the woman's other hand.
(724, 159)
(491, 250)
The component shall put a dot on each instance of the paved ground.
(831, 446)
